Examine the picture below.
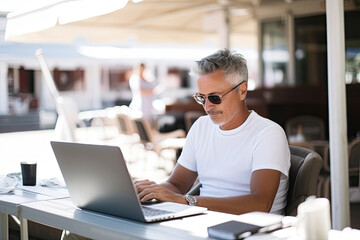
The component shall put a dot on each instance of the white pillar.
(259, 82)
(16, 79)
(105, 76)
(162, 70)
(38, 81)
(93, 85)
(224, 28)
(4, 92)
(337, 114)
(291, 48)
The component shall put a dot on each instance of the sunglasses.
(213, 98)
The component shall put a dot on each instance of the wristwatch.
(192, 201)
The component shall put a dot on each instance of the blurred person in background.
(142, 85)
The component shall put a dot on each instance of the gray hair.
(232, 64)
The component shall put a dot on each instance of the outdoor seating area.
(309, 132)
(96, 96)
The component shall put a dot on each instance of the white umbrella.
(150, 21)
(57, 12)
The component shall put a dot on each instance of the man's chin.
(216, 121)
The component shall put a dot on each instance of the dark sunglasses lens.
(215, 99)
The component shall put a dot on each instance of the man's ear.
(243, 90)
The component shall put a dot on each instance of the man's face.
(227, 112)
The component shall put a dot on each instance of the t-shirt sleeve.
(271, 150)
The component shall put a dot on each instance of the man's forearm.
(171, 187)
(236, 205)
(233, 205)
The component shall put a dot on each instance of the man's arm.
(173, 190)
(263, 187)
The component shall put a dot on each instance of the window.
(310, 50)
(69, 80)
(119, 79)
(275, 54)
(352, 45)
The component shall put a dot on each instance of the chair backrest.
(144, 130)
(303, 177)
(190, 117)
(122, 124)
(195, 190)
(354, 153)
(125, 124)
(313, 128)
(354, 162)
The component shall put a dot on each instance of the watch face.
(191, 200)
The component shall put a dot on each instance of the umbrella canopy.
(206, 22)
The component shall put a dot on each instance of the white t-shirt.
(224, 160)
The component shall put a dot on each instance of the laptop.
(98, 180)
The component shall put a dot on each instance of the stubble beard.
(213, 114)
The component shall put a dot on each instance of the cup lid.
(28, 162)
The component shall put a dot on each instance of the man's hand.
(148, 190)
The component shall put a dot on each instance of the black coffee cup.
(28, 170)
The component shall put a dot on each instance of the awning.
(125, 22)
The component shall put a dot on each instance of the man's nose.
(207, 105)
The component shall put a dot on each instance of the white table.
(59, 212)
(10, 204)
(63, 214)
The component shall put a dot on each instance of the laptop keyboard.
(149, 212)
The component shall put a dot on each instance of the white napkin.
(9, 182)
(53, 183)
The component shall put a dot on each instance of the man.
(241, 159)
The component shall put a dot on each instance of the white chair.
(155, 141)
(67, 119)
(190, 117)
